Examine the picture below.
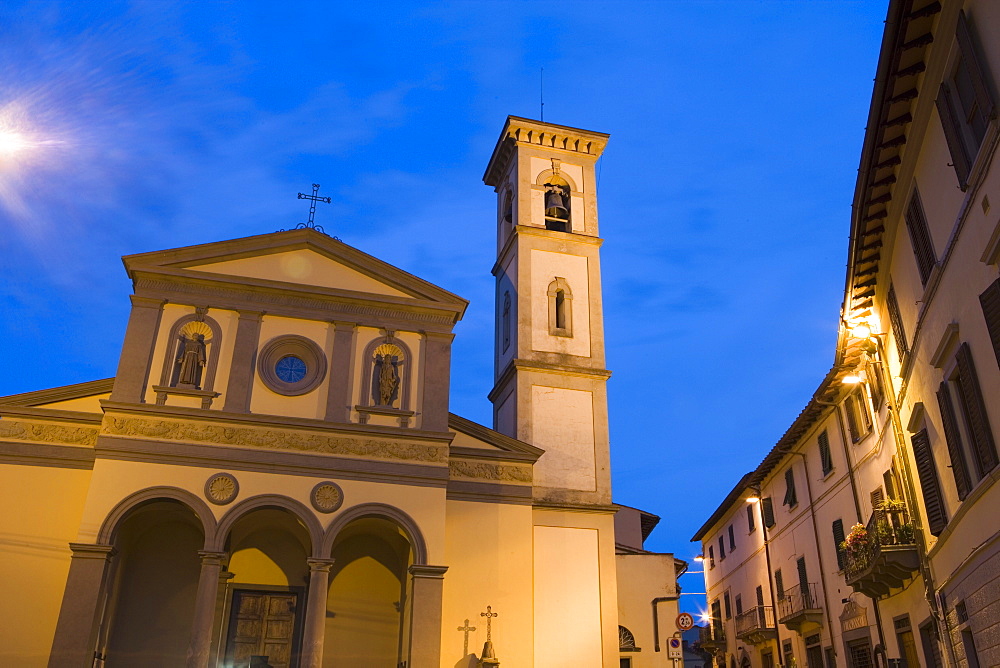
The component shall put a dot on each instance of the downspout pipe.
(656, 618)
(854, 494)
(819, 552)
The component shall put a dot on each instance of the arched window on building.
(505, 321)
(560, 308)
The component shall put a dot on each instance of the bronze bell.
(556, 202)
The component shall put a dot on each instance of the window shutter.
(727, 605)
(937, 519)
(722, 548)
(952, 437)
(920, 237)
(800, 565)
(779, 584)
(711, 556)
(838, 538)
(975, 409)
(790, 498)
(750, 512)
(877, 498)
(732, 538)
(824, 452)
(970, 56)
(760, 595)
(767, 510)
(896, 320)
(852, 418)
(739, 605)
(990, 301)
(952, 134)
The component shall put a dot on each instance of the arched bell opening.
(264, 598)
(367, 609)
(150, 605)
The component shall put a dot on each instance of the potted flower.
(857, 540)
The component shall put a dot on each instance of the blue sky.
(724, 193)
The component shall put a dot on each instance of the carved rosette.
(327, 497)
(221, 488)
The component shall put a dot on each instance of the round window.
(290, 369)
(291, 365)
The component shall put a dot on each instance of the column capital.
(209, 557)
(447, 337)
(342, 326)
(250, 315)
(92, 551)
(427, 571)
(320, 564)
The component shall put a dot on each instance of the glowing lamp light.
(851, 379)
(700, 557)
(753, 499)
(705, 619)
(861, 331)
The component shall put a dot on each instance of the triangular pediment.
(304, 266)
(471, 436)
(303, 258)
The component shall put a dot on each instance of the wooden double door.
(264, 628)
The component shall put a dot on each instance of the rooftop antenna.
(541, 93)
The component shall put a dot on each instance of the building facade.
(870, 534)
(273, 476)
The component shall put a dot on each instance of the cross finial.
(489, 615)
(312, 208)
(466, 628)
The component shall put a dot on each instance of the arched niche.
(386, 380)
(107, 533)
(183, 343)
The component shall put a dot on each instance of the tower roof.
(549, 136)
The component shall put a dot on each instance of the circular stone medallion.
(221, 488)
(326, 497)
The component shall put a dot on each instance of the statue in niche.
(191, 360)
(388, 379)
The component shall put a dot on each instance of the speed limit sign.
(685, 621)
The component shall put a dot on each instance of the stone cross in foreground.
(489, 615)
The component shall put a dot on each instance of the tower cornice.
(526, 132)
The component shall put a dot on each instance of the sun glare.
(12, 142)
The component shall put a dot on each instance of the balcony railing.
(884, 557)
(712, 638)
(756, 625)
(800, 607)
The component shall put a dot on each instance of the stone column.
(425, 616)
(132, 375)
(437, 378)
(78, 623)
(204, 609)
(241, 371)
(314, 621)
(338, 397)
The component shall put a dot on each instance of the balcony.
(883, 556)
(799, 608)
(712, 639)
(756, 625)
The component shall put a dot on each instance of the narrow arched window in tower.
(557, 204)
(560, 308)
(508, 208)
(506, 321)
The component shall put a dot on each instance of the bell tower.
(549, 376)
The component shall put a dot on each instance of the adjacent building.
(868, 533)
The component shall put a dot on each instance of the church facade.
(273, 476)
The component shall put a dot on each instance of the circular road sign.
(685, 621)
